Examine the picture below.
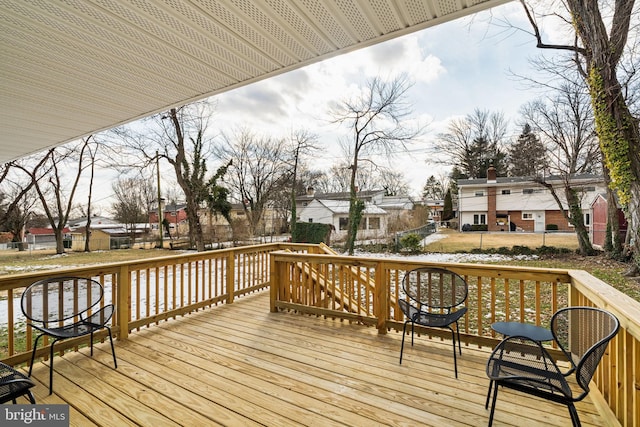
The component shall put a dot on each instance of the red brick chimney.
(491, 174)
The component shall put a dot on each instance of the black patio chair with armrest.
(582, 333)
(435, 299)
(14, 384)
(63, 308)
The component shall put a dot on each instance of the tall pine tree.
(527, 156)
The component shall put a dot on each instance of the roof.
(526, 179)
(71, 69)
(342, 207)
(45, 231)
(343, 195)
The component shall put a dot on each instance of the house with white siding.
(521, 203)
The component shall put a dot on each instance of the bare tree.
(259, 166)
(377, 118)
(302, 143)
(50, 178)
(132, 201)
(601, 38)
(565, 122)
(474, 142)
(181, 137)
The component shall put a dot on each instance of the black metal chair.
(14, 384)
(519, 363)
(66, 307)
(433, 294)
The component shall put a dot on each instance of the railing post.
(274, 283)
(231, 276)
(123, 288)
(381, 300)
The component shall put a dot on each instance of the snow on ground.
(443, 257)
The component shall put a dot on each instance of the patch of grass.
(456, 241)
(13, 261)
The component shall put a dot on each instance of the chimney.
(491, 174)
(310, 191)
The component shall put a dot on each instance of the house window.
(310, 219)
(479, 193)
(374, 223)
(479, 219)
(587, 219)
(506, 192)
(531, 190)
(527, 215)
(343, 223)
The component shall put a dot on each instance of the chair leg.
(33, 353)
(51, 368)
(455, 360)
(113, 350)
(575, 420)
(91, 341)
(404, 332)
(493, 404)
(486, 404)
(31, 398)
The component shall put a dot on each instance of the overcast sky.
(456, 67)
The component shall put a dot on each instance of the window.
(479, 193)
(531, 190)
(343, 223)
(506, 192)
(310, 219)
(527, 215)
(374, 223)
(479, 219)
(587, 219)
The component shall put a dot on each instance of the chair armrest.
(101, 317)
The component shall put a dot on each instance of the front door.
(539, 225)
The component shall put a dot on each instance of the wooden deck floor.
(239, 365)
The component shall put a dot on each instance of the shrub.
(411, 242)
(521, 250)
(479, 227)
(311, 232)
(552, 227)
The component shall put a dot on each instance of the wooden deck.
(240, 365)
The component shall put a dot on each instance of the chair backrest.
(435, 288)
(583, 334)
(57, 299)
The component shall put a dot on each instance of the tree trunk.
(577, 220)
(617, 129)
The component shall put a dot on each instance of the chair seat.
(81, 328)
(529, 377)
(437, 320)
(13, 384)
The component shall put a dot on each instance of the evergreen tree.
(447, 210)
(432, 190)
(527, 156)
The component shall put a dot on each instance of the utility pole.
(160, 218)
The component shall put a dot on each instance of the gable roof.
(342, 207)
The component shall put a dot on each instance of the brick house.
(519, 203)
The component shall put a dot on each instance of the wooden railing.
(145, 292)
(311, 279)
(340, 287)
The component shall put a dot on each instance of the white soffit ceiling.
(69, 68)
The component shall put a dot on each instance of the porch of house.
(240, 364)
